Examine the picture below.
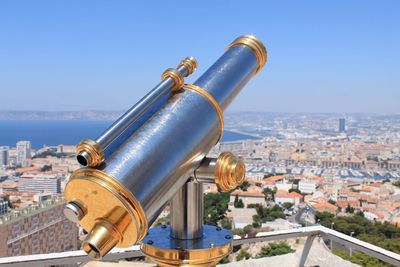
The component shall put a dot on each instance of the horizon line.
(227, 112)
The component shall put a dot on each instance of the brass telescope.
(156, 154)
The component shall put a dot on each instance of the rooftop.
(29, 211)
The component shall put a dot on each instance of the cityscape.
(199, 133)
(304, 165)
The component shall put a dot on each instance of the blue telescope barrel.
(117, 201)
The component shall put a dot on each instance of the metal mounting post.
(187, 212)
(306, 250)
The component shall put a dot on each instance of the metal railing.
(77, 257)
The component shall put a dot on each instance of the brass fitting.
(190, 63)
(186, 258)
(207, 96)
(111, 214)
(106, 233)
(256, 46)
(229, 172)
(176, 76)
(89, 153)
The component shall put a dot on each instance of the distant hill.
(59, 115)
(245, 116)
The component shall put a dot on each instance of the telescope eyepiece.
(83, 158)
(89, 153)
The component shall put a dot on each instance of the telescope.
(155, 154)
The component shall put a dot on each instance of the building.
(342, 125)
(3, 207)
(307, 187)
(278, 224)
(67, 149)
(325, 207)
(4, 155)
(285, 197)
(8, 187)
(23, 152)
(37, 229)
(40, 182)
(248, 197)
(393, 165)
(242, 217)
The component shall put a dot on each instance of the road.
(295, 218)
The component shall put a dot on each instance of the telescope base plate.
(160, 247)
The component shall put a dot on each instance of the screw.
(163, 226)
(228, 237)
(150, 242)
(218, 228)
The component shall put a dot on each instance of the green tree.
(349, 209)
(238, 203)
(45, 154)
(46, 168)
(274, 249)
(244, 186)
(268, 175)
(7, 198)
(325, 218)
(296, 181)
(243, 255)
(333, 202)
(384, 235)
(287, 205)
(226, 224)
(294, 190)
(215, 207)
(238, 231)
(269, 214)
(269, 194)
(397, 183)
(359, 258)
(248, 229)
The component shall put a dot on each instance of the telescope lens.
(82, 159)
(91, 250)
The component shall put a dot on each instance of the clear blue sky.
(324, 56)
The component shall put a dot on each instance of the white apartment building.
(23, 152)
(40, 183)
(307, 187)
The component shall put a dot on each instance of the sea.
(68, 132)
